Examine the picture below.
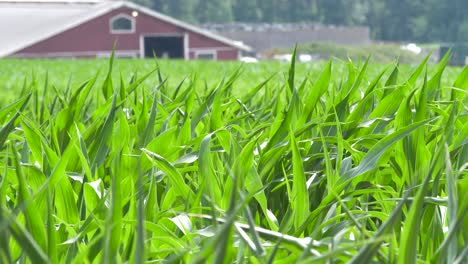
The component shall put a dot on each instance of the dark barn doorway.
(164, 47)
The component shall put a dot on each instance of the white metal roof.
(25, 22)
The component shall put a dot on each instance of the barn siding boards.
(228, 54)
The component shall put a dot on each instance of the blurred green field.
(61, 72)
(218, 162)
(14, 72)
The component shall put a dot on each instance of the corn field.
(363, 166)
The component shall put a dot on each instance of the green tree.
(403, 20)
(457, 25)
(148, 3)
(214, 11)
(374, 17)
(303, 10)
(269, 10)
(181, 9)
(335, 12)
(159, 5)
(247, 11)
(275, 10)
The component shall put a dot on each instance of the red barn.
(88, 28)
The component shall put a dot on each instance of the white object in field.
(412, 47)
(283, 57)
(183, 222)
(249, 59)
(287, 57)
(305, 58)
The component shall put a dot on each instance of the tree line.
(389, 20)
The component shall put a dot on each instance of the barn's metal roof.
(25, 22)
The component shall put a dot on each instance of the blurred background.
(386, 28)
(258, 29)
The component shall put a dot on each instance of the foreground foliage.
(356, 168)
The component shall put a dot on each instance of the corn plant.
(356, 167)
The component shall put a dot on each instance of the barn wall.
(228, 55)
(93, 38)
(221, 54)
(200, 41)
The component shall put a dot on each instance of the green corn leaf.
(33, 218)
(299, 195)
(369, 162)
(174, 175)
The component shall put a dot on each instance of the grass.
(332, 162)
